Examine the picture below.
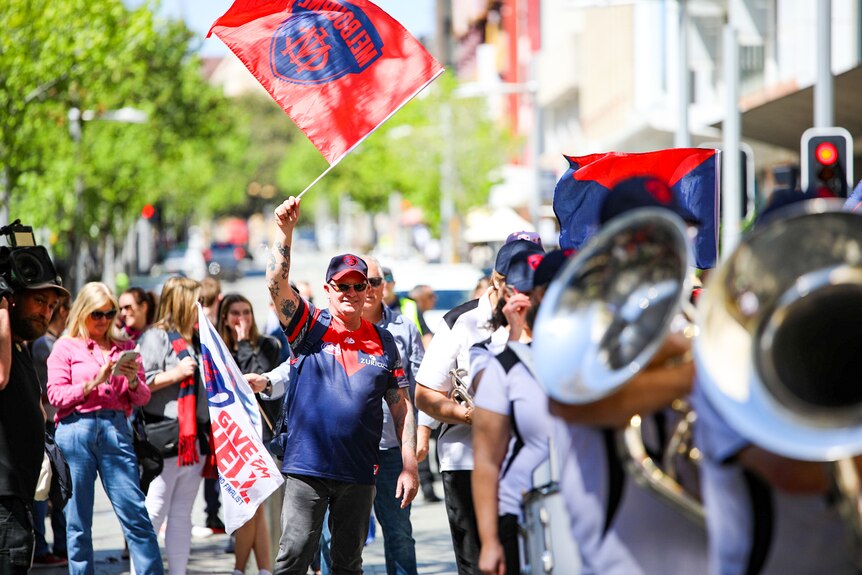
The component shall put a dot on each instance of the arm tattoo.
(274, 289)
(392, 396)
(288, 308)
(284, 250)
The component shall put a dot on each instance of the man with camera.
(29, 291)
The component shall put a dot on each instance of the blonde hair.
(91, 297)
(177, 310)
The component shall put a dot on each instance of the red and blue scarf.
(186, 406)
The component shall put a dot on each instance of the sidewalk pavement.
(434, 552)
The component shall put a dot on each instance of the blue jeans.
(58, 528)
(101, 442)
(399, 548)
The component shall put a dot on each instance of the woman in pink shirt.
(94, 393)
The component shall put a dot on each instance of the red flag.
(339, 69)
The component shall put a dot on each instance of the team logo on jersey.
(331, 348)
(349, 340)
(323, 40)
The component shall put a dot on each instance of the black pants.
(462, 520)
(16, 536)
(507, 531)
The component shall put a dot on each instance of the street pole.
(76, 131)
(730, 161)
(447, 185)
(824, 101)
(682, 137)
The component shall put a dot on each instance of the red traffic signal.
(827, 162)
(148, 211)
(826, 153)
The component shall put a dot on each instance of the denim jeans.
(399, 548)
(58, 528)
(101, 443)
(306, 500)
(16, 536)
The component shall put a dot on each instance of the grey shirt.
(159, 356)
(409, 344)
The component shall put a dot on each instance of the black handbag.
(164, 436)
(150, 460)
(61, 477)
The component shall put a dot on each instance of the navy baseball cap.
(550, 265)
(522, 270)
(529, 236)
(508, 251)
(340, 266)
(642, 192)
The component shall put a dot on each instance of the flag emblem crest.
(323, 40)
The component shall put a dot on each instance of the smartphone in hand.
(128, 356)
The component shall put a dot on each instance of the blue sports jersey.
(334, 408)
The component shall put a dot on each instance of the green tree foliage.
(406, 155)
(100, 56)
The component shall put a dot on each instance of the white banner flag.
(247, 472)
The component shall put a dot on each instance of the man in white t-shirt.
(460, 329)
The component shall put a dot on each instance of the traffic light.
(827, 162)
(148, 211)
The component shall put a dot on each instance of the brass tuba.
(605, 317)
(777, 354)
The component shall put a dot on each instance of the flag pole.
(320, 177)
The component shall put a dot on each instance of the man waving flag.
(247, 472)
(339, 69)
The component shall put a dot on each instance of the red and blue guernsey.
(334, 412)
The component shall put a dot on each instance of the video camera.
(22, 262)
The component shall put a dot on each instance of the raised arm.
(283, 297)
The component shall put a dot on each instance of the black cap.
(340, 266)
(508, 251)
(642, 192)
(522, 270)
(550, 265)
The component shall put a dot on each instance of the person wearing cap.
(344, 367)
(24, 316)
(511, 424)
(620, 526)
(462, 327)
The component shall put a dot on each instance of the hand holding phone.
(128, 356)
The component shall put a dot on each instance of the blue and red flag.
(339, 69)
(691, 173)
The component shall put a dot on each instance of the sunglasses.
(98, 314)
(360, 287)
(375, 282)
